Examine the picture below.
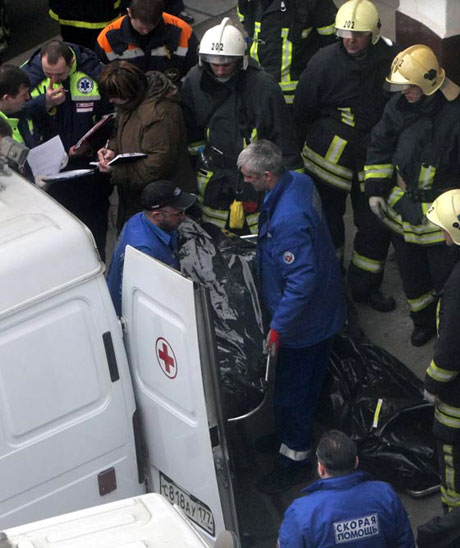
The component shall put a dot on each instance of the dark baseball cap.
(165, 193)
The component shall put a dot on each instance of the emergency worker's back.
(351, 511)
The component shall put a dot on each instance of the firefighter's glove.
(272, 343)
(431, 398)
(377, 205)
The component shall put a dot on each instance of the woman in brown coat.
(149, 120)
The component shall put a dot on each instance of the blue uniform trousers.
(300, 374)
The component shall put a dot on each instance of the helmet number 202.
(349, 25)
(217, 46)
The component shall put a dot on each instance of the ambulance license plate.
(192, 507)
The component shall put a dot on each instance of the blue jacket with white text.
(350, 510)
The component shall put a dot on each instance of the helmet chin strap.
(224, 79)
(361, 55)
(421, 100)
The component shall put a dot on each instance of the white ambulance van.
(92, 411)
(146, 521)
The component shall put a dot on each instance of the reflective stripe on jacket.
(222, 119)
(337, 102)
(284, 36)
(442, 376)
(82, 14)
(172, 47)
(23, 128)
(416, 145)
(82, 105)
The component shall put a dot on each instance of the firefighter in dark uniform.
(284, 34)
(442, 380)
(82, 20)
(338, 100)
(228, 103)
(413, 156)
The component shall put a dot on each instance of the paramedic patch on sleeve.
(288, 257)
(355, 529)
(85, 85)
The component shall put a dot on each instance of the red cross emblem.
(166, 357)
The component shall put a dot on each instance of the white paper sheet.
(45, 159)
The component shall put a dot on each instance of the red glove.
(250, 207)
(272, 343)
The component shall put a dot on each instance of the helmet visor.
(219, 59)
(345, 33)
(390, 86)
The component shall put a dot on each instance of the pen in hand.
(104, 155)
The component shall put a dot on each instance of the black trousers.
(81, 36)
(88, 199)
(424, 270)
(371, 242)
(174, 7)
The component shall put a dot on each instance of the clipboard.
(126, 158)
(106, 118)
(66, 175)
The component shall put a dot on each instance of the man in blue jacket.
(345, 506)
(303, 293)
(153, 231)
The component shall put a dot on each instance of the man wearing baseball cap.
(153, 231)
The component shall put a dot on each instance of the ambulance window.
(48, 371)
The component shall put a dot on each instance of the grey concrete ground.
(31, 26)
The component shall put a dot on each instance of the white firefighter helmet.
(358, 16)
(445, 213)
(223, 44)
(416, 66)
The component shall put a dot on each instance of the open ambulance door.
(171, 350)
